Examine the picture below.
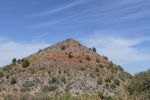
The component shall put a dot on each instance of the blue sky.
(118, 29)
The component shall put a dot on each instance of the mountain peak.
(71, 40)
(67, 66)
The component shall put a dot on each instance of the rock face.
(67, 66)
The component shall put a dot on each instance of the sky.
(119, 29)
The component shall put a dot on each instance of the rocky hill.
(66, 67)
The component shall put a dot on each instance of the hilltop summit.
(66, 67)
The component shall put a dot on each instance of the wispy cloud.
(61, 8)
(118, 13)
(61, 20)
(112, 13)
(11, 49)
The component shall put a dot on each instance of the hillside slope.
(66, 67)
(138, 88)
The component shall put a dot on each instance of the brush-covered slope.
(66, 67)
(138, 88)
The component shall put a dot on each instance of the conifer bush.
(94, 49)
(14, 60)
(25, 63)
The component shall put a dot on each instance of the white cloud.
(120, 50)
(11, 49)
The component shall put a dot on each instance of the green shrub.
(82, 69)
(87, 57)
(116, 81)
(94, 49)
(25, 63)
(39, 51)
(14, 60)
(108, 79)
(13, 81)
(63, 79)
(1, 74)
(112, 86)
(99, 81)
